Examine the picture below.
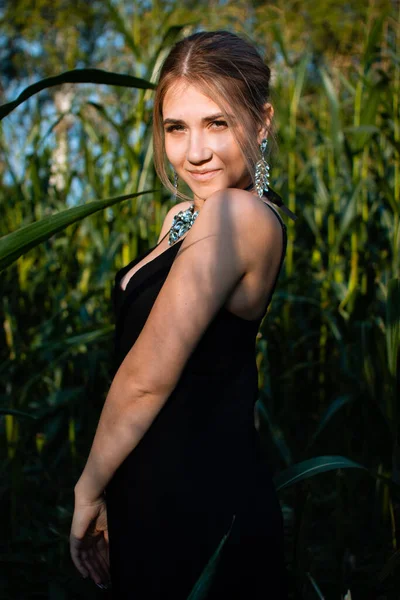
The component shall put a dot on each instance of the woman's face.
(199, 144)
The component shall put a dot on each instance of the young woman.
(175, 462)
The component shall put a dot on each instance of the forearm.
(126, 416)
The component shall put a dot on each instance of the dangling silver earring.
(262, 171)
(176, 179)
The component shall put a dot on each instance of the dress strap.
(284, 246)
(283, 229)
(278, 216)
(273, 197)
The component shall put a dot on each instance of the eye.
(220, 124)
(171, 128)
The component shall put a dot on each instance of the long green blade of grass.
(393, 325)
(311, 467)
(203, 584)
(13, 245)
(76, 76)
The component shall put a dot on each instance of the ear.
(267, 117)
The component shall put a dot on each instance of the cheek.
(173, 150)
(227, 148)
(233, 158)
(223, 146)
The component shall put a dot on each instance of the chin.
(214, 190)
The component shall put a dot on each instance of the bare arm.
(216, 253)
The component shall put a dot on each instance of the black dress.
(198, 468)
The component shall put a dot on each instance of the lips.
(204, 176)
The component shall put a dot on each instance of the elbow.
(145, 383)
(137, 402)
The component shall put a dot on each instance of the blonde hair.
(226, 68)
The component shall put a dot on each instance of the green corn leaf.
(332, 409)
(13, 245)
(362, 129)
(76, 76)
(202, 586)
(373, 42)
(308, 214)
(368, 117)
(322, 196)
(80, 340)
(17, 413)
(336, 124)
(311, 467)
(57, 401)
(120, 26)
(276, 433)
(315, 587)
(347, 84)
(393, 325)
(348, 216)
(286, 297)
(301, 71)
(276, 31)
(120, 129)
(51, 129)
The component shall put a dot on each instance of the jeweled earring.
(175, 183)
(262, 171)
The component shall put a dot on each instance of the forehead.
(184, 100)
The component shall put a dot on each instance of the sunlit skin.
(198, 138)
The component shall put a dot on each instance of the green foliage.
(328, 350)
(312, 467)
(203, 584)
(76, 76)
(17, 243)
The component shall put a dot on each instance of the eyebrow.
(204, 119)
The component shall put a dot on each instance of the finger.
(102, 558)
(96, 566)
(88, 564)
(76, 555)
(103, 549)
(99, 565)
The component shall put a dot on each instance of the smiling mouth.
(205, 175)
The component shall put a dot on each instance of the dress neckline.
(125, 269)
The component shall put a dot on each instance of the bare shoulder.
(243, 206)
(166, 226)
(244, 231)
(248, 217)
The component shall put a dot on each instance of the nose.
(197, 151)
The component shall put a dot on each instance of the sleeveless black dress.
(199, 467)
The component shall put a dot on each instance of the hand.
(89, 540)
